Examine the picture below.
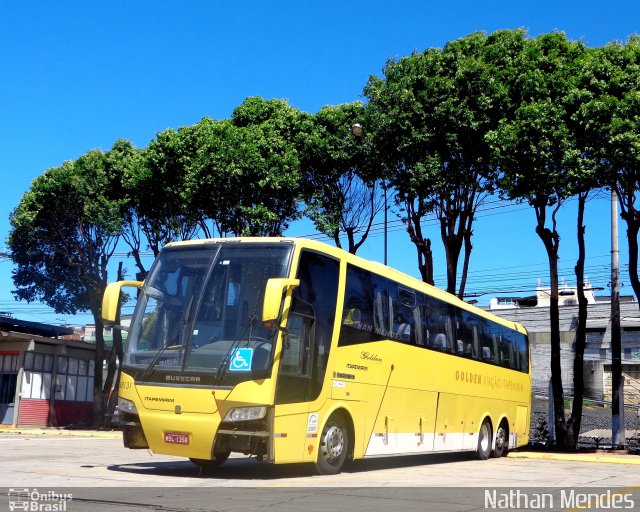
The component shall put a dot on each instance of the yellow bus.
(291, 350)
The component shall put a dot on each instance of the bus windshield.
(199, 312)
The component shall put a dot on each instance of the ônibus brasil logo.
(32, 500)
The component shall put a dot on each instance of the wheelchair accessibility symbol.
(241, 360)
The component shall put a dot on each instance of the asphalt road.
(103, 475)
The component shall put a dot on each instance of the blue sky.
(78, 75)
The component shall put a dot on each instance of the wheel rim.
(484, 437)
(501, 439)
(333, 443)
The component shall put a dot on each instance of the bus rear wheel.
(484, 441)
(219, 460)
(334, 446)
(502, 441)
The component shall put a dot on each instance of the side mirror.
(273, 300)
(111, 299)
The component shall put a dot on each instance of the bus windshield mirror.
(161, 296)
(302, 307)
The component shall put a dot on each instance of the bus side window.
(379, 311)
(365, 315)
(504, 350)
(489, 349)
(490, 342)
(523, 352)
(440, 342)
(403, 304)
(417, 319)
(482, 341)
(438, 324)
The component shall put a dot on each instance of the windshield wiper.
(170, 344)
(152, 364)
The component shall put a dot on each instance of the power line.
(517, 278)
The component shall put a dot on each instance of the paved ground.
(90, 458)
(103, 475)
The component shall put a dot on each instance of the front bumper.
(196, 436)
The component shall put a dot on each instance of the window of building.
(38, 372)
(8, 378)
(74, 380)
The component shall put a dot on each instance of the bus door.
(304, 357)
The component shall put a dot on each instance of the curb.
(59, 432)
(577, 457)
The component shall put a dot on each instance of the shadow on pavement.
(245, 468)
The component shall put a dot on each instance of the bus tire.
(334, 446)
(484, 441)
(219, 460)
(502, 441)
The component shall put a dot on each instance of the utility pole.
(617, 382)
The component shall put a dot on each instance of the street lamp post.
(617, 382)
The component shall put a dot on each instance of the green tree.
(246, 175)
(214, 183)
(155, 183)
(540, 158)
(429, 116)
(339, 176)
(63, 234)
(612, 121)
(122, 161)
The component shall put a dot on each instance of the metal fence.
(595, 428)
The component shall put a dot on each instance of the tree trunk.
(206, 231)
(450, 217)
(336, 238)
(551, 241)
(353, 249)
(98, 391)
(136, 256)
(632, 218)
(425, 256)
(452, 245)
(573, 425)
(423, 245)
(113, 368)
(351, 240)
(468, 247)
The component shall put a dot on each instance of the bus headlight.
(126, 406)
(246, 413)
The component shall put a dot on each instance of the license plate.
(176, 438)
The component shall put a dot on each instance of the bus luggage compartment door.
(450, 422)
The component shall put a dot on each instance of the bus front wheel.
(334, 446)
(484, 441)
(219, 460)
